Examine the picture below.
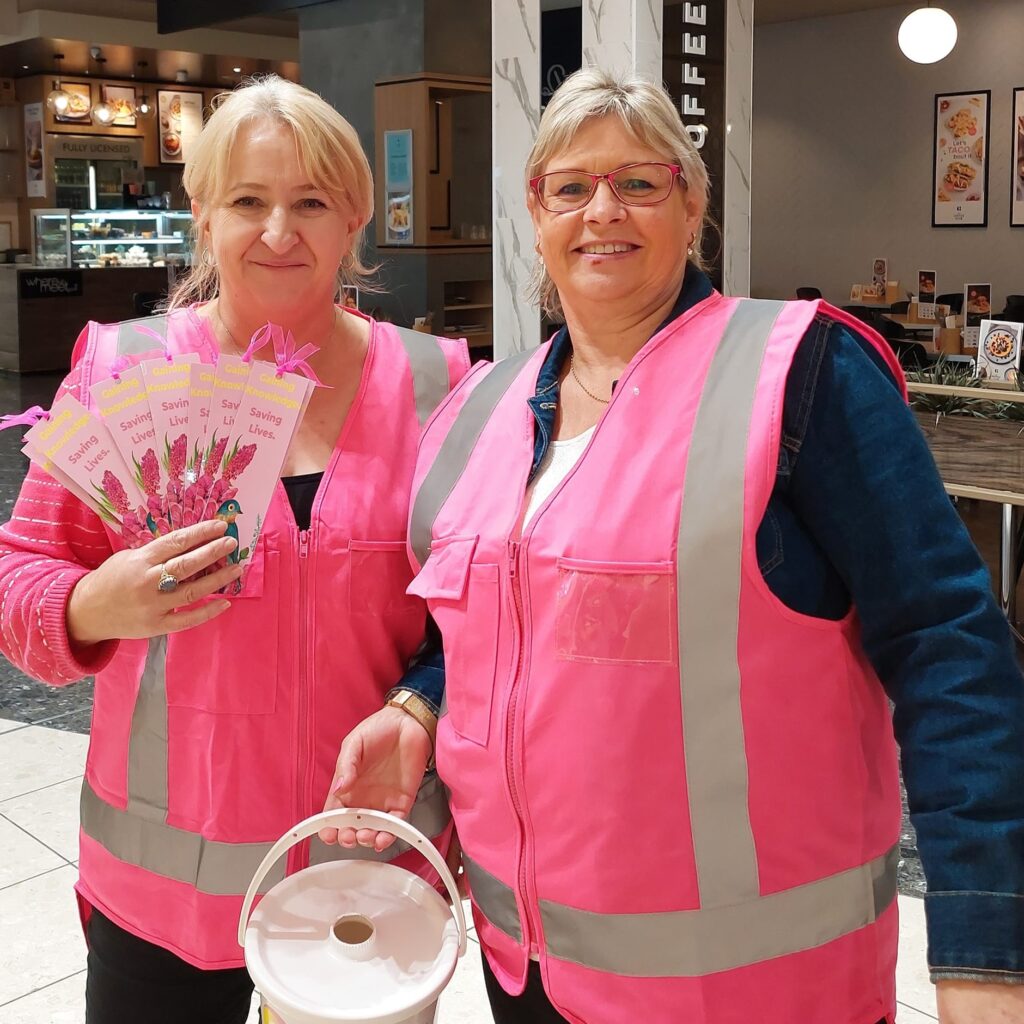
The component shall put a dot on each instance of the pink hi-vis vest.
(209, 744)
(679, 793)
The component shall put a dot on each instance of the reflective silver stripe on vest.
(494, 898)
(456, 449)
(735, 925)
(694, 943)
(709, 571)
(131, 342)
(221, 869)
(430, 814)
(147, 744)
(430, 379)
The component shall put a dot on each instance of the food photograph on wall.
(181, 120)
(960, 188)
(1017, 171)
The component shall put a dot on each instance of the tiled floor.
(42, 955)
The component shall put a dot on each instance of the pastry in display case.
(112, 238)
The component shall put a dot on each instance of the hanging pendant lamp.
(927, 35)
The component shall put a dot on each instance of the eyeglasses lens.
(637, 185)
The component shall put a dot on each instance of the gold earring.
(689, 248)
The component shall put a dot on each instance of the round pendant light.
(144, 105)
(58, 100)
(103, 114)
(927, 35)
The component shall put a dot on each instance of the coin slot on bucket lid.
(353, 929)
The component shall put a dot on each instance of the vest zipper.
(514, 547)
(305, 726)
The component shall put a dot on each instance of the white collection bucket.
(354, 941)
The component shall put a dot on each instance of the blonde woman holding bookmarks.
(217, 719)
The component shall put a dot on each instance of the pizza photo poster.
(960, 182)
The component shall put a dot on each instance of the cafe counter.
(43, 310)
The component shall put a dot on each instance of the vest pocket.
(379, 572)
(229, 666)
(616, 612)
(463, 598)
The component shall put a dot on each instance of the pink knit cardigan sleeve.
(51, 541)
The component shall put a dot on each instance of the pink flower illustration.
(150, 472)
(178, 457)
(114, 490)
(213, 460)
(239, 461)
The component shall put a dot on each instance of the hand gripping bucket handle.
(356, 818)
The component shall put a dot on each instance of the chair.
(863, 313)
(900, 307)
(1014, 311)
(808, 294)
(955, 301)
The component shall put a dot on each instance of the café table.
(929, 327)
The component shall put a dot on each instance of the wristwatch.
(413, 704)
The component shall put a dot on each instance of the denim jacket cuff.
(425, 681)
(976, 933)
(987, 977)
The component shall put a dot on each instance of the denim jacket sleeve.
(425, 674)
(863, 482)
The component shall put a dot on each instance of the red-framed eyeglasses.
(643, 184)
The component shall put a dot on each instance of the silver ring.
(168, 582)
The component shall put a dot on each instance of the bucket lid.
(352, 941)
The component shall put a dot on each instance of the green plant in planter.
(942, 371)
(958, 375)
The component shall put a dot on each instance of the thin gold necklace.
(227, 330)
(586, 390)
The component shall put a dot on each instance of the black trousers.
(532, 1007)
(130, 979)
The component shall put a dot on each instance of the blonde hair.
(646, 110)
(328, 147)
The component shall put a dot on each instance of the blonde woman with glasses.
(216, 721)
(677, 562)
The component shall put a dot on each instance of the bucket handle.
(356, 817)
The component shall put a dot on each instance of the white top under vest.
(558, 460)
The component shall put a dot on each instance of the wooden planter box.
(977, 453)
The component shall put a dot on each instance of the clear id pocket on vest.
(616, 612)
(463, 598)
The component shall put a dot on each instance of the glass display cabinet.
(112, 238)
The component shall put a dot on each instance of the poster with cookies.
(960, 186)
(181, 121)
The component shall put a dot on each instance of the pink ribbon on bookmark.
(159, 338)
(28, 418)
(257, 341)
(118, 366)
(293, 360)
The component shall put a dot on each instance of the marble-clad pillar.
(739, 84)
(515, 113)
(624, 35)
